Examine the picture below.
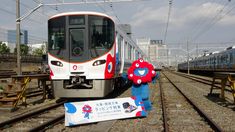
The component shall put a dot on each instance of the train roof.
(80, 13)
(117, 26)
(215, 52)
(231, 47)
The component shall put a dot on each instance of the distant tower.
(154, 49)
(144, 43)
(11, 36)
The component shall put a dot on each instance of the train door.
(233, 59)
(119, 56)
(77, 43)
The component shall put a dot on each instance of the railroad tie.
(232, 86)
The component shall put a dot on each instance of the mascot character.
(141, 73)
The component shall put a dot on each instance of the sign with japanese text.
(102, 110)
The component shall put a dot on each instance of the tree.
(3, 48)
(39, 51)
(24, 49)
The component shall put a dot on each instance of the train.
(88, 53)
(223, 61)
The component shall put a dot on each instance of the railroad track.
(207, 81)
(163, 107)
(180, 113)
(175, 120)
(52, 117)
(9, 73)
(150, 123)
(35, 120)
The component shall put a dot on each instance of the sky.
(196, 23)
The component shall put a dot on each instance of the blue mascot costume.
(141, 73)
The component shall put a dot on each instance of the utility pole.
(167, 57)
(168, 20)
(188, 56)
(40, 4)
(19, 72)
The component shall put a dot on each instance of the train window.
(101, 32)
(76, 20)
(231, 57)
(77, 41)
(228, 58)
(56, 30)
(130, 51)
(136, 55)
(133, 54)
(120, 39)
(126, 51)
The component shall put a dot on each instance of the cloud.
(149, 14)
(181, 17)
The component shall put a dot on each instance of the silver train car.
(213, 62)
(87, 54)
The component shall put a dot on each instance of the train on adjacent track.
(87, 54)
(213, 62)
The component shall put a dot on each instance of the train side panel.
(218, 61)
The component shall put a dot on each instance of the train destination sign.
(102, 110)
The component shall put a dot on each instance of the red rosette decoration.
(141, 72)
(110, 67)
(86, 109)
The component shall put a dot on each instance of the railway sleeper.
(8, 102)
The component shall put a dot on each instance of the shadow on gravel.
(222, 102)
(114, 94)
(119, 90)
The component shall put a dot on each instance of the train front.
(81, 56)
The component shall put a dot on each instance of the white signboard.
(102, 110)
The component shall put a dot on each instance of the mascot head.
(141, 72)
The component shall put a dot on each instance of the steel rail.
(48, 124)
(205, 81)
(8, 123)
(165, 125)
(212, 124)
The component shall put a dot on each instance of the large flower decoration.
(109, 68)
(86, 109)
(141, 72)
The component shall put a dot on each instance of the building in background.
(155, 50)
(144, 43)
(11, 36)
(8, 36)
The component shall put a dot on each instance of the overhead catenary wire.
(202, 21)
(13, 14)
(199, 22)
(30, 8)
(102, 8)
(213, 21)
(40, 1)
(114, 13)
(203, 25)
(60, 3)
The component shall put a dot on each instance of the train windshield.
(101, 35)
(79, 38)
(56, 38)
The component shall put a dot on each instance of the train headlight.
(57, 63)
(99, 62)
